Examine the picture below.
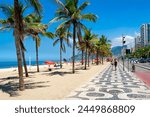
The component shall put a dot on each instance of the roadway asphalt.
(142, 71)
(140, 67)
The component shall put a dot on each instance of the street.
(142, 71)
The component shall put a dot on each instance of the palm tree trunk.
(92, 58)
(97, 57)
(73, 57)
(89, 59)
(85, 56)
(18, 38)
(82, 56)
(24, 62)
(60, 53)
(102, 59)
(37, 56)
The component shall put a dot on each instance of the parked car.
(148, 60)
(142, 60)
(134, 60)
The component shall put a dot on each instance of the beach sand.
(46, 85)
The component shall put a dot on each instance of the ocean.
(10, 64)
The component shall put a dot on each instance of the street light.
(123, 42)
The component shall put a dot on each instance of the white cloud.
(118, 41)
(137, 34)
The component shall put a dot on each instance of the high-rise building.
(145, 35)
(138, 42)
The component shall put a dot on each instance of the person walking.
(112, 64)
(115, 63)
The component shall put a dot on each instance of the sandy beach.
(46, 85)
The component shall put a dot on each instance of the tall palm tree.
(72, 14)
(104, 45)
(88, 38)
(92, 51)
(62, 36)
(34, 28)
(8, 23)
(18, 33)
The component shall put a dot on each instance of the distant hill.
(116, 51)
(78, 57)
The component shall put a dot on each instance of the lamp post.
(123, 42)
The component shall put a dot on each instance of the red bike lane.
(144, 76)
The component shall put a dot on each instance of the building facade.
(145, 35)
(138, 42)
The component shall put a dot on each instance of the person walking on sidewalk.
(112, 63)
(115, 63)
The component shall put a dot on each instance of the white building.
(145, 35)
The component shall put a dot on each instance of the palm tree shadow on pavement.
(12, 88)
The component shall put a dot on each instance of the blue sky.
(115, 17)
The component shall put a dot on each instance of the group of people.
(114, 62)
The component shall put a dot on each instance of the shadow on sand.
(12, 88)
(61, 73)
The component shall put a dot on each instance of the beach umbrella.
(49, 62)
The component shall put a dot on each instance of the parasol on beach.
(49, 62)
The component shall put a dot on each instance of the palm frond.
(56, 41)
(63, 48)
(57, 19)
(5, 28)
(64, 24)
(48, 34)
(90, 17)
(83, 6)
(36, 4)
(63, 6)
(67, 41)
(7, 10)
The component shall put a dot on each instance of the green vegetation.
(141, 52)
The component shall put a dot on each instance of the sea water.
(11, 64)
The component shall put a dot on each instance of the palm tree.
(8, 23)
(97, 46)
(18, 33)
(34, 28)
(62, 34)
(89, 38)
(104, 45)
(72, 14)
(93, 50)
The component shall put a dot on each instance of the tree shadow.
(12, 88)
(61, 73)
(79, 68)
(9, 78)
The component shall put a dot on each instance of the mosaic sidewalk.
(112, 85)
